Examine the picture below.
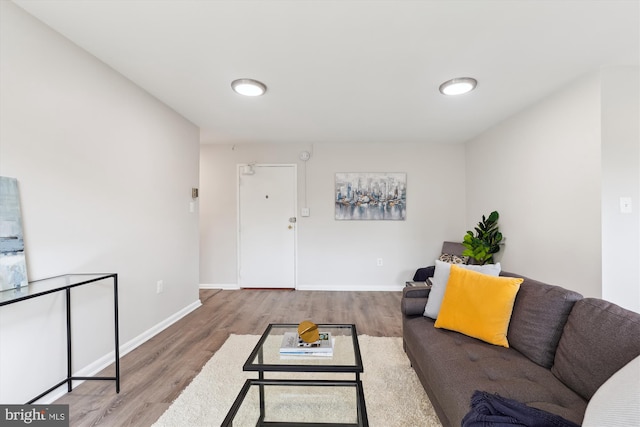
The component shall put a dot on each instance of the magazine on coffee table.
(293, 345)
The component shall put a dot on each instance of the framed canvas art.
(13, 266)
(371, 196)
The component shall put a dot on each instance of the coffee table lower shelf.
(274, 403)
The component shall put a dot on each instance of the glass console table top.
(47, 286)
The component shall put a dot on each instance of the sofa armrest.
(413, 306)
(416, 291)
(414, 299)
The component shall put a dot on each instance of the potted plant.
(486, 241)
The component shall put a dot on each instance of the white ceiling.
(347, 70)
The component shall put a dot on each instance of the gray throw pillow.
(440, 279)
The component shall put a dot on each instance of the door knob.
(290, 227)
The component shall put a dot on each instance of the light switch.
(305, 212)
(625, 205)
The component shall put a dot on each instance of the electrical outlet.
(379, 262)
(625, 205)
(159, 286)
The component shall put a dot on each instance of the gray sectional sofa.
(562, 348)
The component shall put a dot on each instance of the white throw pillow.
(617, 401)
(440, 279)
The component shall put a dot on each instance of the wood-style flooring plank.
(154, 374)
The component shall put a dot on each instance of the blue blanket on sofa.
(492, 410)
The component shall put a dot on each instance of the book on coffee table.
(292, 345)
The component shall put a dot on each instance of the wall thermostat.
(304, 155)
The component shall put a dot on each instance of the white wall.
(621, 178)
(339, 254)
(548, 170)
(564, 163)
(105, 173)
(541, 170)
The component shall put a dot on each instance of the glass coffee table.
(302, 398)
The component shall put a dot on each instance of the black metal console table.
(65, 283)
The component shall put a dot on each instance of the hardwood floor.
(155, 373)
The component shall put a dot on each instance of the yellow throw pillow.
(478, 305)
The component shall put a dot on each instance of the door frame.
(239, 168)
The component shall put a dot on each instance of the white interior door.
(266, 226)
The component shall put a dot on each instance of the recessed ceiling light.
(249, 87)
(458, 86)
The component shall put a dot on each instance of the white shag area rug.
(394, 396)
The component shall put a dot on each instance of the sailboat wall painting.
(371, 196)
(13, 266)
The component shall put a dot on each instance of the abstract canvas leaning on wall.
(13, 266)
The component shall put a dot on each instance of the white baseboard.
(223, 286)
(360, 288)
(106, 360)
(155, 330)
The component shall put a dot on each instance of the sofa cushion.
(453, 366)
(539, 315)
(440, 279)
(478, 305)
(592, 347)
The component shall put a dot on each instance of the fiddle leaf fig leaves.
(482, 245)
